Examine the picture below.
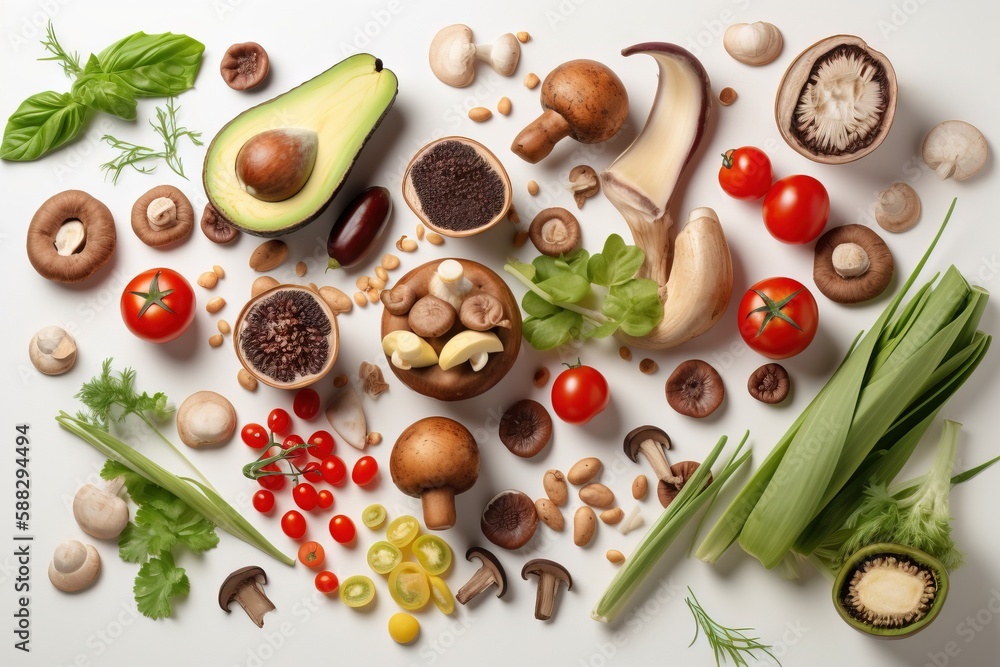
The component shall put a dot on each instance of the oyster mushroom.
(399, 299)
(954, 149)
(509, 519)
(162, 216)
(554, 231)
(52, 350)
(852, 264)
(246, 586)
(74, 566)
(756, 44)
(898, 208)
(695, 389)
(769, 383)
(482, 312)
(205, 419)
(431, 317)
(244, 66)
(453, 55)
(77, 255)
(525, 428)
(837, 100)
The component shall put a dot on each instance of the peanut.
(554, 483)
(215, 340)
(421, 230)
(584, 470)
(480, 114)
(597, 495)
(613, 516)
(523, 36)
(215, 304)
(219, 271)
(372, 295)
(300, 269)
(405, 244)
(504, 106)
(639, 487)
(376, 283)
(584, 526)
(531, 81)
(224, 327)
(360, 299)
(549, 514)
(389, 262)
(381, 273)
(208, 280)
(533, 188)
(615, 556)
(246, 380)
(434, 238)
(362, 283)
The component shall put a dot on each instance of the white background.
(946, 62)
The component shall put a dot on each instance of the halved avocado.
(890, 591)
(342, 106)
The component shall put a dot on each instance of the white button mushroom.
(205, 418)
(74, 566)
(452, 55)
(100, 512)
(954, 149)
(52, 350)
(449, 283)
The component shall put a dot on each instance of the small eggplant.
(358, 227)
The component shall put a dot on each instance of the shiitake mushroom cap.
(244, 65)
(509, 519)
(857, 289)
(769, 383)
(695, 389)
(177, 232)
(525, 428)
(99, 246)
(216, 228)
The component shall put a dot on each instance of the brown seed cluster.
(457, 188)
(286, 336)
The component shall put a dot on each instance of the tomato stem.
(774, 309)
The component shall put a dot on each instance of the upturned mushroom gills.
(509, 519)
(641, 183)
(769, 383)
(652, 442)
(70, 237)
(452, 55)
(162, 216)
(898, 208)
(52, 350)
(554, 232)
(550, 574)
(695, 389)
(101, 513)
(435, 459)
(244, 66)
(852, 264)
(954, 149)
(74, 566)
(216, 228)
(667, 491)
(246, 586)
(490, 573)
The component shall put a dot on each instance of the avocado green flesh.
(343, 105)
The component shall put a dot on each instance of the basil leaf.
(96, 91)
(549, 332)
(616, 263)
(42, 123)
(152, 65)
(537, 306)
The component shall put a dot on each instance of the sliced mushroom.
(509, 519)
(74, 566)
(205, 419)
(431, 317)
(584, 183)
(246, 586)
(490, 573)
(52, 350)
(482, 312)
(954, 149)
(217, 228)
(554, 231)
(666, 492)
(549, 574)
(399, 299)
(525, 428)
(852, 264)
(898, 208)
(695, 389)
(244, 66)
(652, 443)
(49, 257)
(769, 383)
(162, 216)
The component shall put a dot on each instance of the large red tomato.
(796, 209)
(158, 305)
(778, 317)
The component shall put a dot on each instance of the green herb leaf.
(568, 287)
(616, 263)
(635, 304)
(158, 582)
(136, 156)
(70, 61)
(536, 306)
(161, 522)
(98, 92)
(159, 65)
(135, 484)
(550, 332)
(42, 123)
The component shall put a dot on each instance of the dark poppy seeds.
(457, 187)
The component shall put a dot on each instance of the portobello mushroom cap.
(180, 221)
(868, 271)
(88, 255)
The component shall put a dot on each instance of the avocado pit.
(275, 164)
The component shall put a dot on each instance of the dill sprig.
(137, 156)
(70, 62)
(731, 642)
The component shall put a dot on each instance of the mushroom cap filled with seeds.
(287, 337)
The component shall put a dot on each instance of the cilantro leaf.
(135, 483)
(147, 536)
(158, 582)
(162, 521)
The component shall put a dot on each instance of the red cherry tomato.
(324, 499)
(255, 435)
(293, 524)
(305, 405)
(327, 582)
(272, 482)
(778, 317)
(158, 305)
(299, 456)
(796, 209)
(263, 501)
(364, 470)
(579, 393)
(745, 173)
(279, 421)
(342, 529)
(312, 554)
(305, 496)
(312, 472)
(334, 470)
(321, 444)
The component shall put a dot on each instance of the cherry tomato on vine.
(334, 470)
(305, 496)
(293, 524)
(745, 173)
(272, 482)
(579, 393)
(299, 456)
(312, 554)
(255, 435)
(305, 405)
(312, 472)
(796, 209)
(321, 444)
(342, 529)
(364, 470)
(279, 421)
(324, 499)
(158, 305)
(778, 317)
(327, 582)
(263, 501)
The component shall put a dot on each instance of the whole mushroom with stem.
(101, 513)
(897, 208)
(246, 586)
(453, 55)
(550, 574)
(52, 350)
(954, 149)
(74, 566)
(652, 442)
(489, 574)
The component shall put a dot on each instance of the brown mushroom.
(898, 208)
(525, 428)
(554, 231)
(399, 299)
(431, 317)
(244, 65)
(652, 443)
(246, 586)
(217, 228)
(509, 519)
(162, 216)
(490, 573)
(549, 574)
(582, 99)
(695, 389)
(769, 383)
(666, 491)
(584, 183)
(434, 459)
(71, 257)
(852, 264)
(482, 312)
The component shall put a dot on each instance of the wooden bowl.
(413, 200)
(461, 382)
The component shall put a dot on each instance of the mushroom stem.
(545, 598)
(439, 507)
(538, 139)
(254, 602)
(479, 582)
(892, 201)
(947, 168)
(850, 260)
(654, 453)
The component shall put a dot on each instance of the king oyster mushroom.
(837, 100)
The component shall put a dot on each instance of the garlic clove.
(753, 44)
